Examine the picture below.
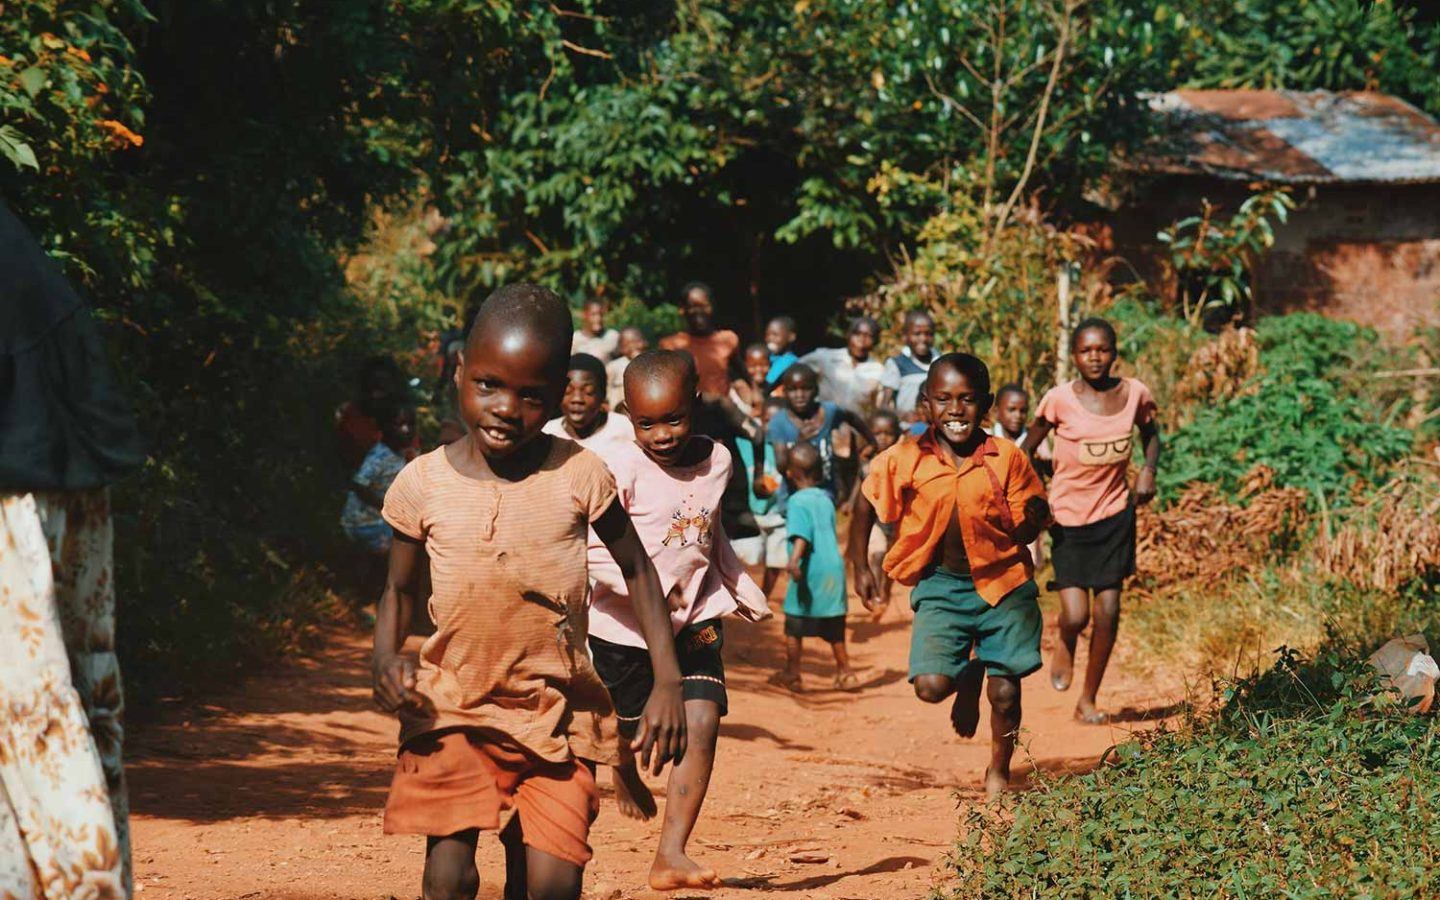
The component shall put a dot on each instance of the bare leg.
(790, 677)
(1004, 694)
(689, 780)
(1102, 641)
(770, 578)
(550, 877)
(845, 678)
(450, 872)
(632, 795)
(1074, 616)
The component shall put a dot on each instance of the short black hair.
(856, 322)
(785, 322)
(802, 370)
(655, 365)
(806, 457)
(531, 308)
(1012, 387)
(774, 401)
(754, 347)
(914, 316)
(594, 301)
(974, 370)
(1093, 323)
(696, 285)
(584, 362)
(890, 414)
(633, 328)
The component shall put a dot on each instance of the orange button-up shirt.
(916, 484)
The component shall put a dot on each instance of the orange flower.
(120, 135)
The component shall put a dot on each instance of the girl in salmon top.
(1094, 419)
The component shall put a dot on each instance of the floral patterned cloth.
(63, 813)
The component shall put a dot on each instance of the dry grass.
(1394, 537)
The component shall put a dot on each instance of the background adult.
(713, 349)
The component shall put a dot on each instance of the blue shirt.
(783, 430)
(759, 505)
(821, 593)
(779, 362)
(379, 469)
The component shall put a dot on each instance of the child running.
(360, 519)
(807, 419)
(505, 704)
(768, 548)
(583, 417)
(670, 481)
(1093, 541)
(885, 426)
(749, 393)
(905, 372)
(815, 601)
(1012, 413)
(966, 505)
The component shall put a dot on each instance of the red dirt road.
(275, 789)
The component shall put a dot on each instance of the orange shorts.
(453, 780)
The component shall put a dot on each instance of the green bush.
(1303, 786)
(1309, 417)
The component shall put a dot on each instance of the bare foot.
(1087, 714)
(632, 795)
(671, 872)
(1062, 667)
(996, 783)
(788, 680)
(965, 710)
(847, 681)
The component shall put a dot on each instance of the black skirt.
(1098, 555)
(830, 629)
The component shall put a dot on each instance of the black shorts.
(628, 676)
(830, 629)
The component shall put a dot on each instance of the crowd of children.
(607, 505)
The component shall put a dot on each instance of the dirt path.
(275, 789)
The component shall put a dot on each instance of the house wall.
(1370, 253)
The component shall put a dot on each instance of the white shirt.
(601, 346)
(843, 381)
(616, 430)
(906, 384)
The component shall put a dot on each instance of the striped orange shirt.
(508, 576)
(916, 484)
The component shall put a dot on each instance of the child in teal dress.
(815, 601)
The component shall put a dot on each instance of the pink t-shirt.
(602, 442)
(676, 512)
(1092, 452)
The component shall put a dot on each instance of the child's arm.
(862, 520)
(799, 549)
(857, 422)
(1026, 497)
(368, 495)
(394, 675)
(662, 724)
(1145, 484)
(1035, 436)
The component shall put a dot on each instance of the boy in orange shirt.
(506, 706)
(966, 504)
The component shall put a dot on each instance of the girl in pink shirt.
(670, 482)
(1093, 540)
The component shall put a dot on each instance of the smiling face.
(583, 401)
(757, 363)
(699, 312)
(886, 429)
(1094, 354)
(801, 389)
(920, 336)
(953, 405)
(778, 336)
(860, 341)
(660, 409)
(508, 386)
(1012, 408)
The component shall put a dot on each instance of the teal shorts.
(951, 619)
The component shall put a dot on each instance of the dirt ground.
(275, 789)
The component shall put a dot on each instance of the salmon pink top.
(676, 511)
(1092, 452)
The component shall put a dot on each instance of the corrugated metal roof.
(1294, 137)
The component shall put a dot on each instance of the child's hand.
(1037, 511)
(866, 588)
(394, 682)
(662, 728)
(796, 570)
(1145, 486)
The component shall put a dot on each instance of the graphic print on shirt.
(682, 520)
(1106, 451)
